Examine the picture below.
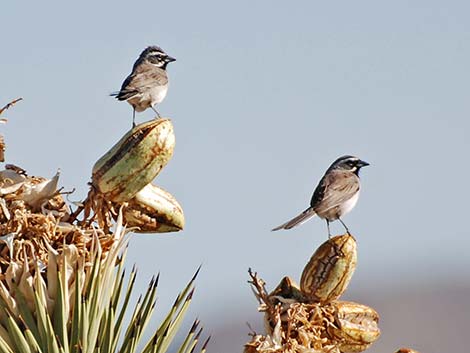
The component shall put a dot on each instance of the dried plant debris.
(33, 220)
(9, 105)
(309, 318)
(3, 121)
(36, 238)
(2, 149)
(293, 326)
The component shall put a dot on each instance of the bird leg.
(328, 226)
(133, 118)
(345, 226)
(156, 112)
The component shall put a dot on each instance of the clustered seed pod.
(153, 210)
(311, 318)
(330, 269)
(124, 174)
(134, 161)
(355, 326)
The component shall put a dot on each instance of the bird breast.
(148, 98)
(157, 94)
(348, 205)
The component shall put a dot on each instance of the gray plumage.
(147, 85)
(335, 195)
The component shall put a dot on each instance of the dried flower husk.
(287, 291)
(291, 326)
(316, 327)
(330, 269)
(153, 210)
(10, 181)
(134, 161)
(296, 328)
(36, 194)
(35, 239)
(356, 326)
(32, 214)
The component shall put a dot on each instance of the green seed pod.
(330, 269)
(134, 161)
(153, 210)
(356, 326)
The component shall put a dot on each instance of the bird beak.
(169, 59)
(361, 164)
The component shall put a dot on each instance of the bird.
(336, 194)
(147, 84)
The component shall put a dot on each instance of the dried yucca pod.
(356, 326)
(134, 161)
(287, 291)
(154, 210)
(330, 269)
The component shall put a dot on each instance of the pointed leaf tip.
(204, 346)
(198, 334)
(194, 326)
(197, 272)
(152, 281)
(190, 295)
(156, 280)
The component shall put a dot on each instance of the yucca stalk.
(63, 287)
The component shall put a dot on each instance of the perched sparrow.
(335, 195)
(147, 84)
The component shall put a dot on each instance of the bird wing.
(144, 77)
(297, 220)
(335, 188)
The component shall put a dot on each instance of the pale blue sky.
(264, 96)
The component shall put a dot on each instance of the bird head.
(156, 56)
(349, 163)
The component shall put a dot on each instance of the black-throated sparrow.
(335, 195)
(147, 84)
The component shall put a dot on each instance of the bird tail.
(120, 95)
(301, 218)
(124, 95)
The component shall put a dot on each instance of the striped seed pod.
(356, 326)
(330, 269)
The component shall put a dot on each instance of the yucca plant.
(63, 286)
(78, 306)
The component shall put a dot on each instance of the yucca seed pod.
(134, 161)
(153, 210)
(356, 326)
(330, 269)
